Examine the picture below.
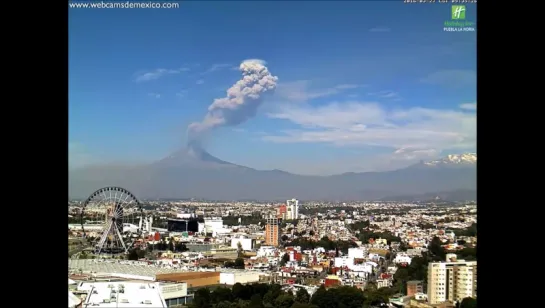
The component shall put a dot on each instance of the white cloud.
(154, 95)
(200, 81)
(452, 78)
(182, 93)
(157, 73)
(301, 90)
(370, 124)
(469, 106)
(412, 153)
(216, 67)
(380, 29)
(391, 95)
(361, 160)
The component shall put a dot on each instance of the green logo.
(458, 12)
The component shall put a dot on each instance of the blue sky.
(362, 86)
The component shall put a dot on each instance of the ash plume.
(241, 102)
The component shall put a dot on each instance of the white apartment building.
(344, 261)
(292, 209)
(266, 251)
(246, 243)
(451, 281)
(357, 252)
(213, 224)
(402, 258)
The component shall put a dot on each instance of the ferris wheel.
(110, 217)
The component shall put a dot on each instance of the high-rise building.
(272, 232)
(451, 281)
(292, 207)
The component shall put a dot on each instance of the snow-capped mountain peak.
(455, 159)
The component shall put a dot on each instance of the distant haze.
(194, 173)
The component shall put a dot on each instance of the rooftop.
(134, 271)
(123, 295)
(118, 268)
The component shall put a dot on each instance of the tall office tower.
(272, 232)
(292, 209)
(451, 281)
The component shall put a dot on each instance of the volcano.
(192, 172)
(194, 156)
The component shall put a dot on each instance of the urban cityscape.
(260, 154)
(208, 254)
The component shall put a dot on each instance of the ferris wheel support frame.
(110, 227)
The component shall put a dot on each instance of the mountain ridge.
(194, 173)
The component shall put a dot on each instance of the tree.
(181, 247)
(371, 286)
(378, 296)
(302, 296)
(402, 273)
(224, 305)
(311, 233)
(351, 297)
(284, 238)
(418, 269)
(133, 255)
(239, 249)
(345, 296)
(238, 290)
(468, 302)
(302, 305)
(284, 301)
(256, 301)
(260, 288)
(239, 263)
(201, 298)
(273, 292)
(469, 231)
(285, 259)
(320, 296)
(436, 249)
(467, 253)
(222, 295)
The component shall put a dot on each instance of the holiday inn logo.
(458, 12)
(458, 22)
